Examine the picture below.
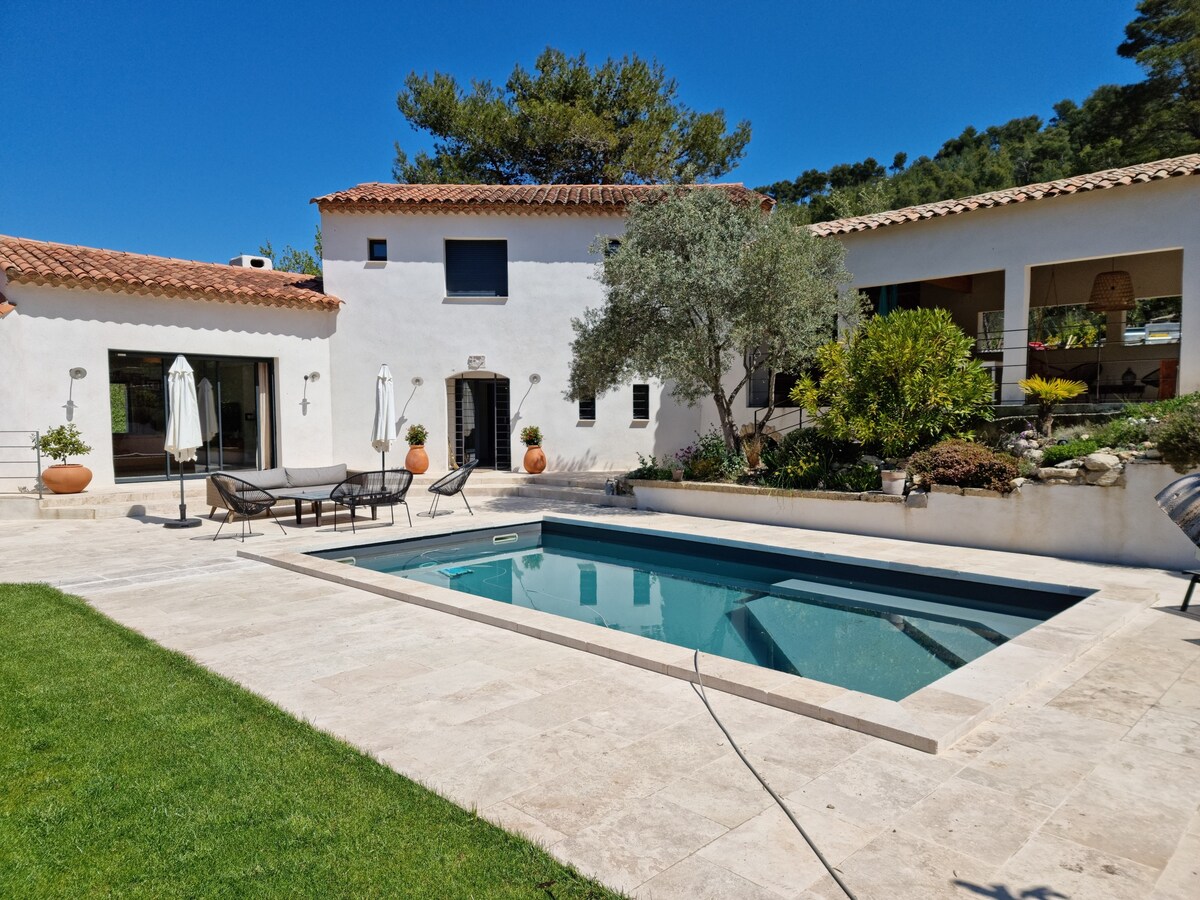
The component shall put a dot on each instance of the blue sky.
(200, 129)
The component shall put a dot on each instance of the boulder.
(1059, 473)
(1100, 462)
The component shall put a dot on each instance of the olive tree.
(701, 292)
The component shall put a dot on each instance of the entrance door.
(481, 422)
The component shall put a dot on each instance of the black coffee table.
(315, 496)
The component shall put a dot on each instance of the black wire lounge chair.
(242, 500)
(372, 489)
(449, 485)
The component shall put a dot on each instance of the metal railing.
(31, 448)
(1102, 365)
(1120, 371)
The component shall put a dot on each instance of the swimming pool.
(879, 629)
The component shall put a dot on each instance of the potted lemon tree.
(417, 460)
(60, 444)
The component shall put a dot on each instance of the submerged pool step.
(1003, 625)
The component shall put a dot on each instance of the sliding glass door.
(236, 414)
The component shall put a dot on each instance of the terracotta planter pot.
(535, 460)
(417, 460)
(67, 478)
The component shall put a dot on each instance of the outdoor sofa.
(282, 478)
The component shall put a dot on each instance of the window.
(614, 244)
(587, 409)
(377, 250)
(990, 336)
(476, 268)
(641, 402)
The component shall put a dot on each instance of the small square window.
(587, 409)
(641, 402)
(377, 250)
(614, 244)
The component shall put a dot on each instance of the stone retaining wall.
(1123, 526)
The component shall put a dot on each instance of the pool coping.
(930, 719)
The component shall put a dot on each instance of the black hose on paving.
(774, 796)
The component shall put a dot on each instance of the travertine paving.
(1087, 787)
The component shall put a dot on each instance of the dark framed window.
(587, 409)
(614, 244)
(476, 268)
(641, 401)
(377, 250)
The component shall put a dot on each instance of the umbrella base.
(182, 523)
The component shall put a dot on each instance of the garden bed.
(1114, 526)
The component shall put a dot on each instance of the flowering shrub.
(965, 464)
(531, 436)
(416, 435)
(708, 459)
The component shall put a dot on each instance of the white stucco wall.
(54, 329)
(1121, 526)
(1161, 215)
(397, 313)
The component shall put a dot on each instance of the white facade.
(1018, 241)
(397, 312)
(55, 329)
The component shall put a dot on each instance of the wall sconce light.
(76, 374)
(311, 377)
(535, 379)
(417, 381)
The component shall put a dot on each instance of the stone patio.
(1087, 786)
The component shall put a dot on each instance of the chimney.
(246, 261)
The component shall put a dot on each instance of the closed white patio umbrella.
(384, 432)
(184, 434)
(208, 415)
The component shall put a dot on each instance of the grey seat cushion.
(315, 476)
(265, 479)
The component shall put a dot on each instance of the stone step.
(574, 495)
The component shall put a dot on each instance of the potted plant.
(417, 460)
(59, 444)
(894, 480)
(535, 459)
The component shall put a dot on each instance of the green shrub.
(708, 459)
(862, 476)
(900, 382)
(1122, 432)
(965, 464)
(1056, 453)
(1179, 438)
(807, 459)
(650, 469)
(416, 436)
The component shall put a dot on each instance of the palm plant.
(1049, 392)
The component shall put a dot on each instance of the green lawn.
(125, 770)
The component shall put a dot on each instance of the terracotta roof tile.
(519, 198)
(1093, 181)
(38, 262)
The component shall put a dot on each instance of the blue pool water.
(866, 627)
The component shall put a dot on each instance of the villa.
(467, 292)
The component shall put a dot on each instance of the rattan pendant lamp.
(1112, 291)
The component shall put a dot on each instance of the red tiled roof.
(518, 198)
(1095, 181)
(38, 262)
